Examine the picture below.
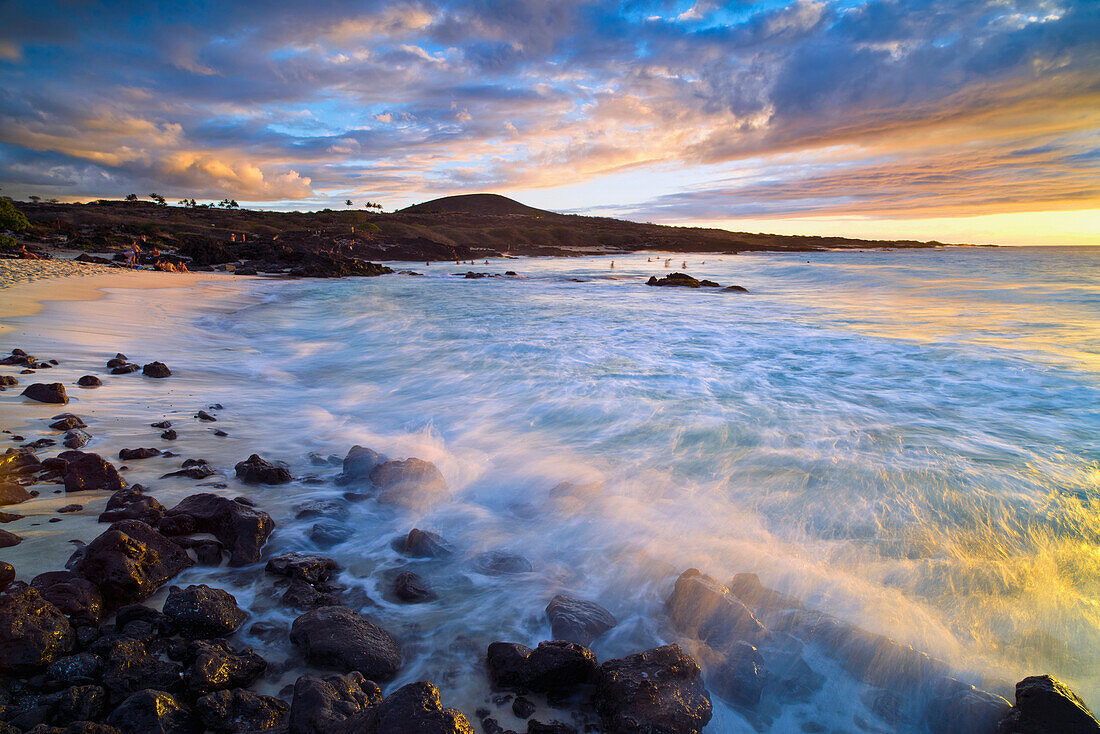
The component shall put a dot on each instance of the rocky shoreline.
(81, 652)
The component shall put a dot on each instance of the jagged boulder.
(553, 665)
(414, 708)
(358, 465)
(256, 470)
(659, 690)
(131, 503)
(200, 611)
(308, 568)
(1045, 705)
(241, 711)
(321, 705)
(89, 472)
(32, 631)
(702, 607)
(154, 712)
(215, 666)
(75, 596)
(242, 528)
(129, 561)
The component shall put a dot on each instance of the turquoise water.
(908, 440)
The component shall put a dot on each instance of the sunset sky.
(965, 120)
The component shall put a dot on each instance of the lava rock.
(656, 690)
(161, 424)
(241, 711)
(200, 611)
(7, 575)
(81, 669)
(242, 528)
(75, 596)
(337, 637)
(125, 369)
(70, 508)
(76, 439)
(156, 369)
(170, 435)
(129, 561)
(255, 470)
(308, 568)
(8, 381)
(217, 667)
(703, 607)
(202, 415)
(133, 454)
(358, 465)
(682, 280)
(132, 504)
(523, 708)
(198, 471)
(422, 544)
(89, 472)
(1045, 705)
(410, 587)
(7, 539)
(413, 484)
(53, 392)
(322, 704)
(129, 667)
(154, 712)
(13, 494)
(304, 597)
(33, 632)
(552, 666)
(576, 620)
(328, 533)
(412, 708)
(322, 508)
(89, 381)
(67, 422)
(741, 677)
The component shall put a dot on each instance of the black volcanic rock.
(322, 704)
(682, 280)
(422, 544)
(74, 596)
(411, 588)
(132, 504)
(413, 484)
(89, 381)
(129, 561)
(311, 569)
(53, 392)
(200, 611)
(255, 470)
(13, 494)
(154, 712)
(1045, 705)
(553, 665)
(358, 464)
(215, 666)
(133, 454)
(32, 631)
(89, 472)
(67, 422)
(76, 439)
(411, 709)
(703, 607)
(156, 369)
(239, 710)
(338, 637)
(659, 690)
(577, 620)
(242, 528)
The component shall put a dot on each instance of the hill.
(491, 204)
(471, 227)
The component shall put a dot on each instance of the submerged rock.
(499, 563)
(242, 528)
(89, 381)
(702, 607)
(410, 587)
(953, 707)
(67, 422)
(200, 611)
(337, 637)
(422, 544)
(133, 454)
(129, 561)
(76, 439)
(358, 465)
(322, 704)
(659, 690)
(741, 677)
(308, 568)
(682, 280)
(53, 392)
(33, 632)
(577, 620)
(255, 470)
(413, 484)
(1045, 705)
(412, 708)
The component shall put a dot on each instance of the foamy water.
(908, 440)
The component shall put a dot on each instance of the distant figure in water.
(428, 263)
(649, 259)
(668, 261)
(612, 264)
(486, 262)
(684, 264)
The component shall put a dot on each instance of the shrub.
(11, 218)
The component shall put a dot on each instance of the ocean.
(907, 440)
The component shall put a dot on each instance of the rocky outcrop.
(337, 637)
(656, 690)
(1045, 705)
(32, 632)
(255, 470)
(681, 280)
(242, 528)
(200, 611)
(412, 708)
(129, 561)
(576, 620)
(321, 705)
(53, 392)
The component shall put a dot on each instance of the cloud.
(925, 107)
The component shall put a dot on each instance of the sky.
(959, 121)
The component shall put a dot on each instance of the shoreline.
(769, 608)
